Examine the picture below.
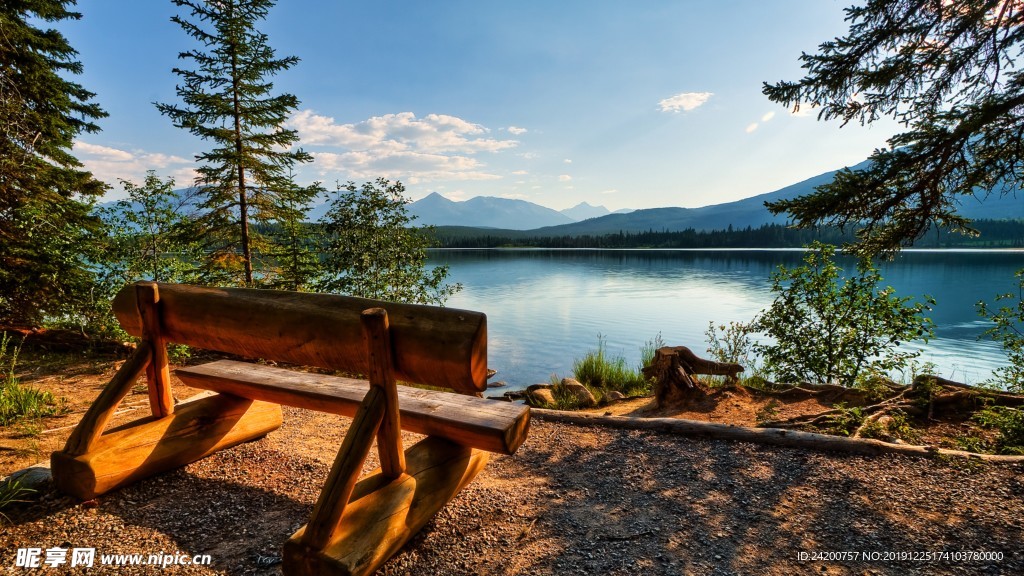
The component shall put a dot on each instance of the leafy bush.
(1009, 332)
(824, 331)
(1009, 422)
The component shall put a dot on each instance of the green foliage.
(370, 250)
(295, 251)
(1008, 330)
(12, 492)
(1009, 423)
(148, 237)
(768, 412)
(844, 421)
(604, 373)
(648, 349)
(732, 343)
(46, 230)
(824, 331)
(18, 402)
(245, 178)
(946, 71)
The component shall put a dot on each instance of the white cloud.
(515, 130)
(520, 172)
(113, 164)
(768, 116)
(410, 167)
(564, 178)
(685, 101)
(567, 161)
(401, 146)
(611, 191)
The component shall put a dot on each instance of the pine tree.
(245, 179)
(45, 196)
(949, 72)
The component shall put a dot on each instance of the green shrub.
(822, 330)
(1009, 332)
(1009, 422)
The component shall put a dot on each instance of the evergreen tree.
(949, 72)
(45, 196)
(371, 251)
(296, 253)
(245, 178)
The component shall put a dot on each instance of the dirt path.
(574, 500)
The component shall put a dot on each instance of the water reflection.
(546, 307)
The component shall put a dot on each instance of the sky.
(622, 104)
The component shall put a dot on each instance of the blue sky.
(625, 104)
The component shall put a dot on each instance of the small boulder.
(540, 397)
(614, 396)
(577, 392)
(498, 384)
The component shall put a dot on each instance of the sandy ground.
(573, 500)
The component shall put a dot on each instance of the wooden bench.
(356, 525)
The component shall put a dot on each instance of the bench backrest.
(443, 347)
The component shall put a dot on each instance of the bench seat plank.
(490, 425)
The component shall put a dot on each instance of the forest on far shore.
(993, 234)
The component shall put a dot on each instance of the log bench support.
(93, 463)
(356, 524)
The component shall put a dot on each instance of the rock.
(540, 397)
(498, 384)
(35, 478)
(578, 392)
(614, 396)
(515, 395)
(533, 387)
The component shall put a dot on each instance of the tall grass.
(18, 402)
(604, 373)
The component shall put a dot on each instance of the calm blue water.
(546, 307)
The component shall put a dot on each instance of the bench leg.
(383, 514)
(198, 427)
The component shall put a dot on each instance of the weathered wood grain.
(382, 515)
(348, 464)
(490, 425)
(158, 375)
(381, 375)
(89, 428)
(199, 427)
(436, 346)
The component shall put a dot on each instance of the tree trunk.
(674, 371)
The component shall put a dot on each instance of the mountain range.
(519, 215)
(739, 214)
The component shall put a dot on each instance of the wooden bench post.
(158, 374)
(382, 375)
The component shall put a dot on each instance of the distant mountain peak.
(584, 211)
(485, 212)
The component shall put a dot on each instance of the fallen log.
(769, 436)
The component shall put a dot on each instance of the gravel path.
(574, 500)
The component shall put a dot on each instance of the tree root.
(769, 436)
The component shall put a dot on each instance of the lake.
(546, 307)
